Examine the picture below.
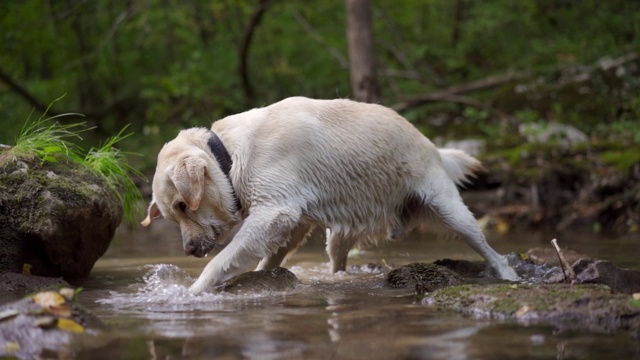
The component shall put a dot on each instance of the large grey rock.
(57, 218)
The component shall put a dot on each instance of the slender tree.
(362, 57)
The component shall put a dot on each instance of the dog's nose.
(189, 249)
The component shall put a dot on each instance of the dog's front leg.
(260, 235)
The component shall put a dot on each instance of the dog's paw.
(194, 289)
(507, 273)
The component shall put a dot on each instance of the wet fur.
(359, 170)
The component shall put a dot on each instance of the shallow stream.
(139, 288)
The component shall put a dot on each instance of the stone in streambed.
(278, 279)
(424, 277)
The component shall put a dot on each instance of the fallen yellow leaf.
(48, 299)
(636, 296)
(523, 310)
(26, 269)
(11, 347)
(502, 226)
(70, 326)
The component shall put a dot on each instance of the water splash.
(165, 287)
(530, 272)
(163, 284)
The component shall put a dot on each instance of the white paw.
(507, 273)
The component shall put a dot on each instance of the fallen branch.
(254, 22)
(564, 264)
(453, 93)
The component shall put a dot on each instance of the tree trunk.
(362, 59)
(256, 19)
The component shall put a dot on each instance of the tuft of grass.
(48, 139)
(112, 164)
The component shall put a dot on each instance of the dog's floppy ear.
(188, 177)
(153, 213)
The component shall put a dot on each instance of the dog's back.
(349, 166)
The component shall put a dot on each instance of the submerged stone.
(424, 277)
(278, 279)
(57, 217)
(467, 269)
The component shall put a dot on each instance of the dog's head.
(190, 188)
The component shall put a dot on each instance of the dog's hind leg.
(447, 206)
(338, 246)
(296, 239)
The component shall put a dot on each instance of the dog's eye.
(182, 206)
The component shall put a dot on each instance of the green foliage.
(46, 138)
(622, 159)
(112, 164)
(162, 65)
(49, 140)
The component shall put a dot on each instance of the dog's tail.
(459, 165)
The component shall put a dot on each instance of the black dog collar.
(224, 159)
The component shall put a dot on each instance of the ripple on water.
(165, 287)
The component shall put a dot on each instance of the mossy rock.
(424, 277)
(57, 217)
(584, 307)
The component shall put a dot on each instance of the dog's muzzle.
(196, 249)
(190, 249)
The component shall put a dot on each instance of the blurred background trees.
(453, 67)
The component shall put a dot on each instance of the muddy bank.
(541, 186)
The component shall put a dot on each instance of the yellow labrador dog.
(266, 177)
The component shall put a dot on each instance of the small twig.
(564, 264)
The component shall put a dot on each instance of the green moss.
(623, 160)
(47, 141)
(504, 300)
(33, 183)
(505, 307)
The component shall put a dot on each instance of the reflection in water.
(348, 315)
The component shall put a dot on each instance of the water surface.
(140, 289)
